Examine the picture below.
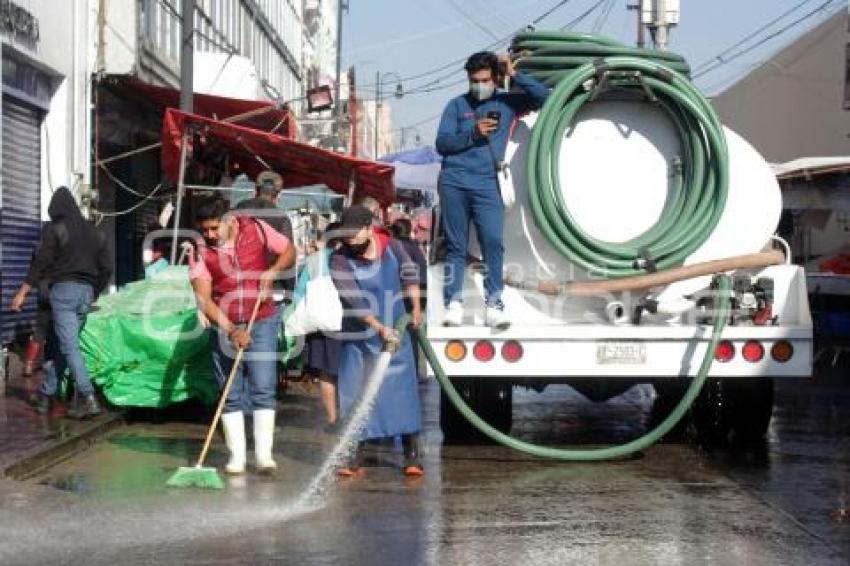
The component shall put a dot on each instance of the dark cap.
(355, 218)
(269, 181)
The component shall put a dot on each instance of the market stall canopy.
(416, 169)
(264, 115)
(811, 166)
(815, 184)
(299, 163)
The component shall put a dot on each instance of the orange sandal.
(347, 472)
(414, 471)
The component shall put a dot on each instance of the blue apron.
(397, 409)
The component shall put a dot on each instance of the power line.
(471, 20)
(582, 16)
(719, 56)
(500, 41)
(603, 16)
(548, 12)
(431, 86)
(419, 123)
(764, 40)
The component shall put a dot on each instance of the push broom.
(198, 475)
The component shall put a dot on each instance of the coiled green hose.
(584, 67)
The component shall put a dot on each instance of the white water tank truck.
(630, 198)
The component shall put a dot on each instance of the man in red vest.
(230, 274)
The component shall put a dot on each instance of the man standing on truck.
(472, 139)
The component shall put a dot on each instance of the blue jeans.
(255, 383)
(483, 206)
(70, 302)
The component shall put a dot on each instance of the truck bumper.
(589, 351)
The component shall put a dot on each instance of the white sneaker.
(234, 436)
(495, 317)
(454, 314)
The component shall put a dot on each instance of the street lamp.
(399, 92)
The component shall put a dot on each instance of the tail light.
(455, 351)
(753, 351)
(484, 351)
(512, 351)
(725, 351)
(782, 351)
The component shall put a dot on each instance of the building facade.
(321, 35)
(796, 103)
(60, 118)
(44, 131)
(142, 38)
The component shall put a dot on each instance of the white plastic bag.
(318, 308)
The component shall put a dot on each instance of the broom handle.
(227, 385)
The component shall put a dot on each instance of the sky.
(403, 38)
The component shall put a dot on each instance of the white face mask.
(481, 91)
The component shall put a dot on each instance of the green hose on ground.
(584, 68)
(590, 454)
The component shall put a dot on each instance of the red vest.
(236, 278)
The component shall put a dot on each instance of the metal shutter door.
(20, 223)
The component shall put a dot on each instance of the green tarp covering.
(144, 346)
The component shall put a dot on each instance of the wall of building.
(793, 105)
(143, 37)
(61, 52)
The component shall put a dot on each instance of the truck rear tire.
(491, 399)
(711, 414)
(737, 407)
(667, 396)
(751, 404)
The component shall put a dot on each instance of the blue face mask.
(482, 91)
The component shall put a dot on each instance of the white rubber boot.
(264, 439)
(234, 436)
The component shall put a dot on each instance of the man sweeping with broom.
(232, 279)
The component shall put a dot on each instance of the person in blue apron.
(373, 274)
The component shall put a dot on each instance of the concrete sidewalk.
(30, 442)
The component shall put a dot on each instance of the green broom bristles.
(196, 476)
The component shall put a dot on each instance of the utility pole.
(352, 108)
(377, 109)
(341, 5)
(659, 16)
(187, 54)
(638, 8)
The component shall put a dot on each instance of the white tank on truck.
(597, 182)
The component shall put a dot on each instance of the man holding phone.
(472, 139)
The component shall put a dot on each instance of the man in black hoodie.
(74, 258)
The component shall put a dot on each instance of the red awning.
(299, 163)
(269, 117)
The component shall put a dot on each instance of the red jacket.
(236, 278)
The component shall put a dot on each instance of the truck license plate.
(621, 353)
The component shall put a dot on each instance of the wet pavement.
(779, 502)
(26, 435)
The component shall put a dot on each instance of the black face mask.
(357, 249)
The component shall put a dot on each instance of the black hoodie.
(72, 249)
